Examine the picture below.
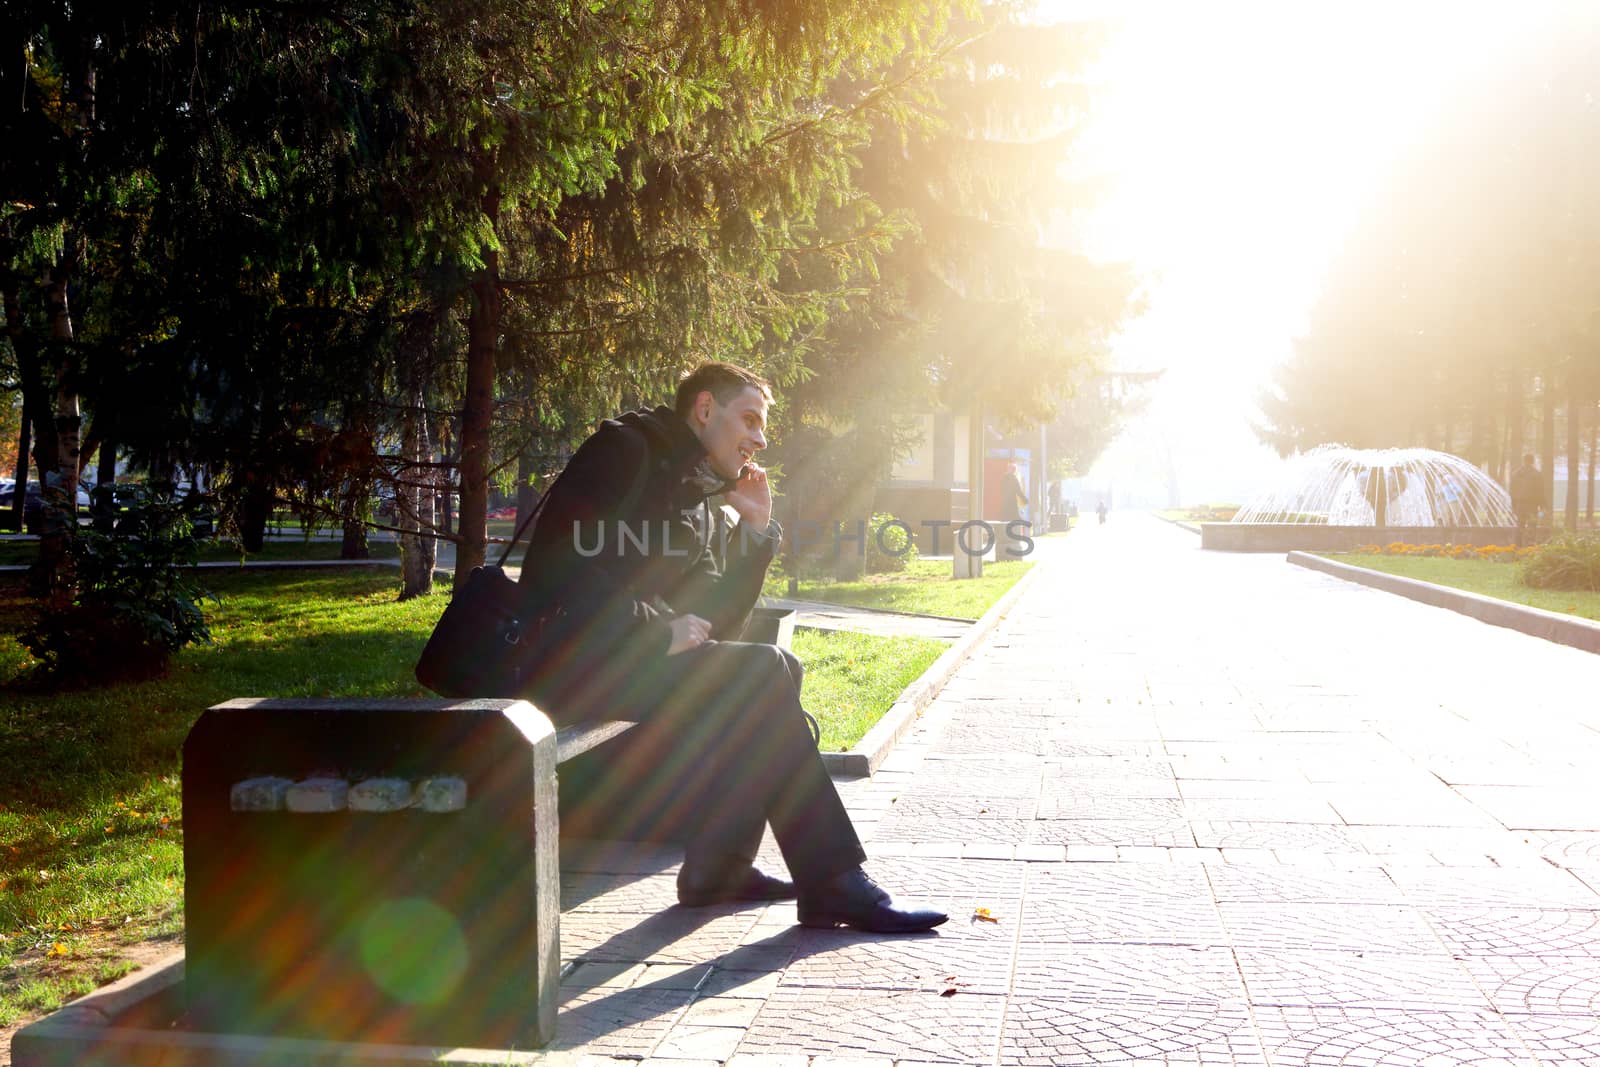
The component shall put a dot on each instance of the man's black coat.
(625, 540)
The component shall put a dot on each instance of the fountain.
(1335, 498)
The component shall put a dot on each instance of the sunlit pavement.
(1220, 809)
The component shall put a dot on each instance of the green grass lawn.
(1484, 577)
(91, 851)
(925, 587)
(851, 679)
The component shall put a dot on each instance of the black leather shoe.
(749, 882)
(854, 899)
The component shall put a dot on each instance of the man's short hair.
(723, 380)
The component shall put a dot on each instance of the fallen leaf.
(984, 915)
(948, 992)
(57, 949)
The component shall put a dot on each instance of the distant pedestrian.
(1012, 496)
(1100, 510)
(1527, 495)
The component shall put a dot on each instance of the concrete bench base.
(135, 1023)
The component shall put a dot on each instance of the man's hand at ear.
(751, 497)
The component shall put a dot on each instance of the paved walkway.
(1222, 810)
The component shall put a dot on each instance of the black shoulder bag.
(492, 631)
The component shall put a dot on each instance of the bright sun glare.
(1237, 144)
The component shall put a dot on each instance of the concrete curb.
(870, 752)
(1181, 524)
(1550, 625)
(129, 1023)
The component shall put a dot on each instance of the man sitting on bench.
(623, 544)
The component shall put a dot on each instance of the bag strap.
(628, 502)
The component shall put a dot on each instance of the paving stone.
(1354, 927)
(1079, 768)
(723, 1011)
(1170, 833)
(979, 962)
(619, 1021)
(1359, 979)
(1517, 931)
(1362, 1037)
(1567, 848)
(1539, 887)
(1236, 789)
(941, 766)
(584, 974)
(929, 783)
(1229, 834)
(757, 1059)
(899, 827)
(643, 894)
(1535, 808)
(1126, 974)
(1253, 885)
(988, 740)
(1064, 791)
(1548, 985)
(907, 1024)
(1048, 1032)
(732, 983)
(1559, 1040)
(617, 857)
(689, 1042)
(1094, 885)
(1093, 805)
(1077, 746)
(680, 935)
(1370, 809)
(1130, 920)
(958, 806)
(1261, 809)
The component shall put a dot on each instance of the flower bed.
(1493, 553)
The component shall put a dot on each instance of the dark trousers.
(731, 752)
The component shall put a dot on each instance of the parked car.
(33, 501)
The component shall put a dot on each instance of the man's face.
(732, 433)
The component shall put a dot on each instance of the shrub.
(884, 531)
(1567, 561)
(136, 601)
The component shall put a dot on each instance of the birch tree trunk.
(414, 500)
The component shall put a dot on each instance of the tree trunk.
(444, 442)
(1511, 455)
(12, 520)
(1594, 457)
(527, 495)
(58, 483)
(1574, 442)
(414, 502)
(356, 507)
(1547, 441)
(354, 543)
(52, 573)
(103, 501)
(483, 331)
(27, 371)
(254, 512)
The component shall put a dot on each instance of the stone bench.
(376, 870)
